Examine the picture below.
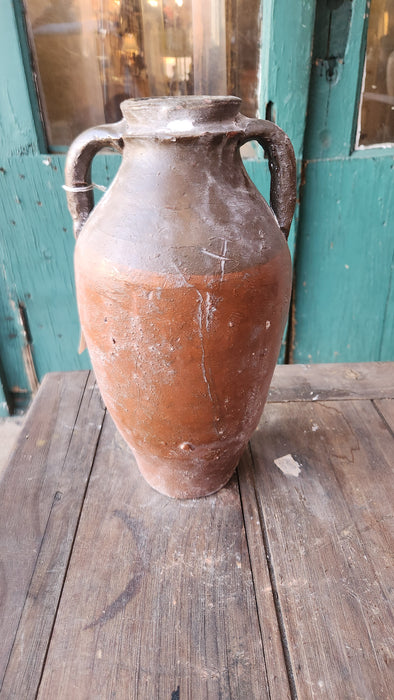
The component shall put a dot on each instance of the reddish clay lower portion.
(184, 363)
(181, 479)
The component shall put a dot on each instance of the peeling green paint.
(18, 134)
(37, 264)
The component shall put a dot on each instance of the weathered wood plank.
(332, 382)
(329, 542)
(38, 457)
(159, 599)
(39, 514)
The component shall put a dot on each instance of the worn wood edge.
(28, 653)
(385, 408)
(330, 382)
(278, 668)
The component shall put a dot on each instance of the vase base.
(185, 483)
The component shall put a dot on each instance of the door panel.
(344, 296)
(344, 305)
(287, 34)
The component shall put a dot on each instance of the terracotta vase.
(183, 280)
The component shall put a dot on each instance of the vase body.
(183, 281)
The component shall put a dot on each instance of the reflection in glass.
(92, 54)
(377, 106)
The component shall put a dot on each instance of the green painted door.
(341, 238)
(343, 306)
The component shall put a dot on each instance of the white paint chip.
(180, 125)
(288, 465)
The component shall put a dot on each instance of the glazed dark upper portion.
(183, 154)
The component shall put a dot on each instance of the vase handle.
(78, 181)
(279, 150)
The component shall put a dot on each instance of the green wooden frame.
(333, 106)
(21, 130)
(286, 44)
(333, 103)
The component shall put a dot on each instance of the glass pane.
(377, 106)
(92, 54)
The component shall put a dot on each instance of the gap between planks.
(272, 628)
(73, 541)
(332, 382)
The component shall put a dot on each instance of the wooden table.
(278, 586)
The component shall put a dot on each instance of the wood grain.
(39, 516)
(159, 599)
(329, 543)
(331, 382)
(44, 442)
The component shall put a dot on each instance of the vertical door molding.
(287, 35)
(336, 76)
(21, 130)
(286, 44)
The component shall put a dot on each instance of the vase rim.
(183, 100)
(185, 111)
